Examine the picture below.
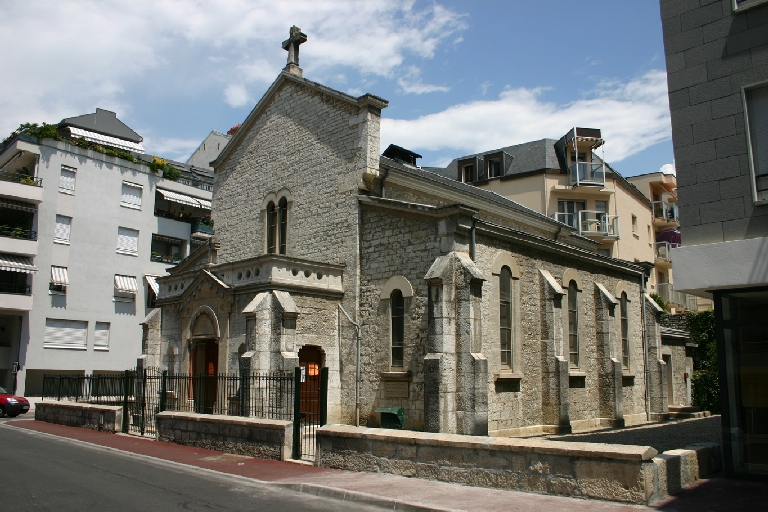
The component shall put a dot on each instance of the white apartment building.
(83, 234)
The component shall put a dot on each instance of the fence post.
(163, 387)
(58, 394)
(126, 389)
(244, 388)
(143, 396)
(323, 396)
(296, 413)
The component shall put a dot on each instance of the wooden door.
(310, 361)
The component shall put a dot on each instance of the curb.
(359, 497)
(320, 490)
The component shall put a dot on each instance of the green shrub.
(171, 173)
(705, 383)
(661, 302)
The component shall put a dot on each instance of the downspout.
(645, 348)
(383, 179)
(472, 240)
(357, 365)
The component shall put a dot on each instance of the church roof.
(104, 122)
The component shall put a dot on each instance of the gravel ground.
(665, 436)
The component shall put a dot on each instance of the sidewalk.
(400, 493)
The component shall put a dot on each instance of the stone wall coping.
(510, 444)
(79, 405)
(229, 420)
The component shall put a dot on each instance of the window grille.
(505, 316)
(397, 312)
(573, 325)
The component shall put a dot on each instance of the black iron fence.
(292, 396)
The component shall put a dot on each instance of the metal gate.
(310, 411)
(141, 400)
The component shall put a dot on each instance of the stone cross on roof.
(291, 44)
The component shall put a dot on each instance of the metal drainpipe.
(472, 240)
(645, 348)
(357, 366)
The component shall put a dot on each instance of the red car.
(12, 405)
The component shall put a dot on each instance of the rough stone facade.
(359, 226)
(105, 418)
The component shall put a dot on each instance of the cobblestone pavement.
(662, 436)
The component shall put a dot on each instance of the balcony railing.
(20, 177)
(665, 211)
(199, 227)
(663, 250)
(586, 173)
(591, 223)
(16, 289)
(20, 233)
(165, 258)
(669, 294)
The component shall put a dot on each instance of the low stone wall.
(265, 439)
(629, 474)
(106, 418)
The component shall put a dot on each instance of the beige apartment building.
(567, 180)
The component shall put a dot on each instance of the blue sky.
(460, 76)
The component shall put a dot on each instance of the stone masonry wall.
(265, 439)
(711, 53)
(105, 418)
(399, 243)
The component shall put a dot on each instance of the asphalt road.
(39, 472)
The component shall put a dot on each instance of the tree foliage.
(705, 382)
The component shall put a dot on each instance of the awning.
(205, 204)
(17, 205)
(152, 282)
(180, 198)
(106, 139)
(59, 276)
(14, 263)
(126, 284)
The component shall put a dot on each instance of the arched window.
(573, 325)
(397, 312)
(271, 228)
(624, 331)
(282, 207)
(505, 316)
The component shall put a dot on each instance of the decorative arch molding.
(396, 283)
(623, 287)
(208, 311)
(505, 259)
(284, 193)
(569, 275)
(270, 198)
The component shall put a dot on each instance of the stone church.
(473, 313)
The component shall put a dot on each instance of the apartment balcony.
(678, 299)
(20, 185)
(201, 228)
(172, 259)
(586, 174)
(15, 297)
(663, 253)
(665, 214)
(592, 223)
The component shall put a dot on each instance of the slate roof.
(473, 190)
(104, 122)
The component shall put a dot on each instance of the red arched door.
(310, 361)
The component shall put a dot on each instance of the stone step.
(680, 412)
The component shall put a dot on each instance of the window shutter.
(506, 163)
(101, 336)
(65, 333)
(131, 196)
(481, 173)
(67, 179)
(127, 240)
(757, 110)
(61, 231)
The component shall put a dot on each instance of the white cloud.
(173, 148)
(668, 169)
(66, 58)
(410, 83)
(632, 116)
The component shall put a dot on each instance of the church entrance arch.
(310, 361)
(204, 360)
